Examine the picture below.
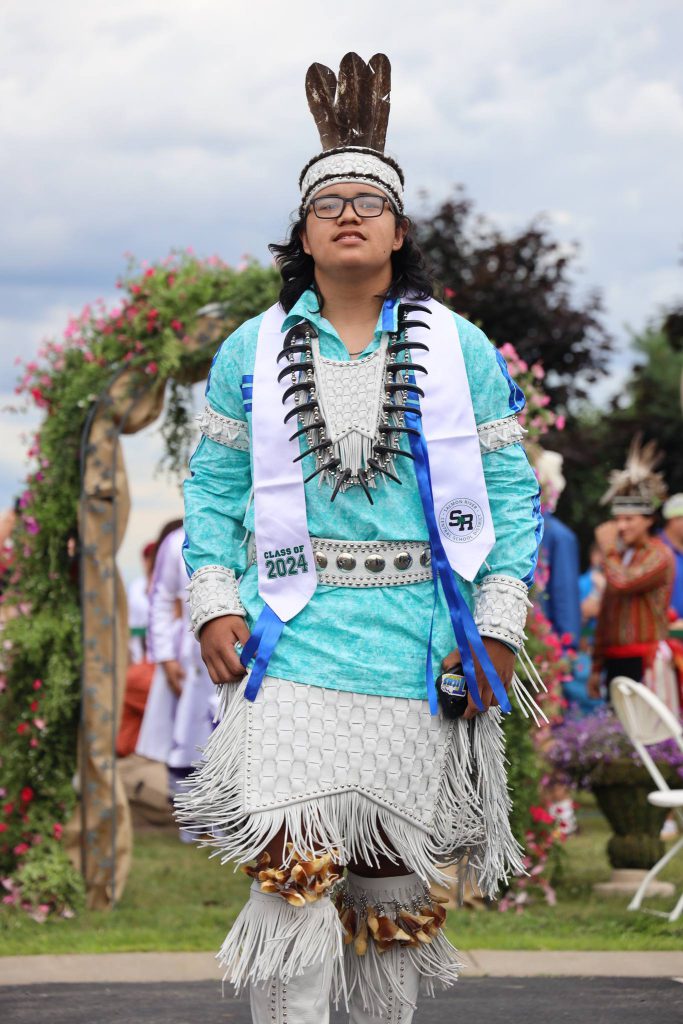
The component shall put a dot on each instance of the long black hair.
(409, 270)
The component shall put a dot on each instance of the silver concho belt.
(370, 563)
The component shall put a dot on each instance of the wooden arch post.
(100, 833)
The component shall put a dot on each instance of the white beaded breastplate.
(350, 398)
(351, 413)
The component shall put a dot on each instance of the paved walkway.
(123, 968)
(487, 1000)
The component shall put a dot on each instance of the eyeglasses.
(332, 207)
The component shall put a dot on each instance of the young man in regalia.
(361, 518)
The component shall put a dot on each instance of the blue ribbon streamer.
(466, 633)
(264, 636)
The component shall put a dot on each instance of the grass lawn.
(178, 899)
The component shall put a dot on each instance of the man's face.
(349, 242)
(632, 529)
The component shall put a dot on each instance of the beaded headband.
(637, 489)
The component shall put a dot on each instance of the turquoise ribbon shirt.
(370, 640)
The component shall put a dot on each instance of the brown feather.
(379, 89)
(321, 88)
(351, 87)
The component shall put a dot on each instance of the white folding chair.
(647, 720)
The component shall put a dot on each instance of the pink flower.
(27, 795)
(560, 422)
(37, 684)
(39, 723)
(31, 525)
(57, 830)
(33, 742)
(3, 826)
(151, 368)
(448, 293)
(539, 814)
(21, 848)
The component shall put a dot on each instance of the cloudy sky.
(142, 125)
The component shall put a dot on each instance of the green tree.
(595, 442)
(519, 287)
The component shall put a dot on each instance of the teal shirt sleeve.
(512, 487)
(218, 489)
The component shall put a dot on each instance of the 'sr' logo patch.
(461, 520)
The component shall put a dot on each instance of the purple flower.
(579, 744)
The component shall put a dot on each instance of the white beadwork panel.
(306, 741)
(223, 429)
(350, 393)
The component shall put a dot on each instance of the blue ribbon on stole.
(264, 636)
(466, 633)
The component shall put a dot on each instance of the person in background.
(557, 580)
(559, 596)
(182, 704)
(138, 606)
(672, 536)
(639, 571)
(591, 589)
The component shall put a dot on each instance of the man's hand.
(217, 641)
(503, 659)
(606, 536)
(175, 674)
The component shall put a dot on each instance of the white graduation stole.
(286, 568)
(461, 503)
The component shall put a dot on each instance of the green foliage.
(519, 288)
(595, 442)
(148, 334)
(524, 773)
(47, 879)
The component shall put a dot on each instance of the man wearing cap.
(360, 486)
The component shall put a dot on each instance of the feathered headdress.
(351, 112)
(637, 489)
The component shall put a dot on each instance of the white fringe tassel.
(270, 939)
(499, 855)
(470, 820)
(374, 976)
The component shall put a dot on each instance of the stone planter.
(621, 790)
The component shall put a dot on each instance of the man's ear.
(304, 241)
(400, 234)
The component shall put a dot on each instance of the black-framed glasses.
(332, 207)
